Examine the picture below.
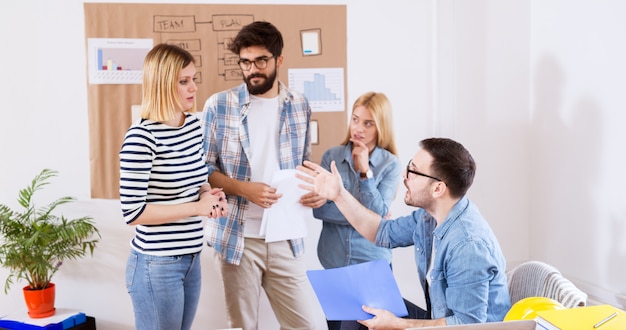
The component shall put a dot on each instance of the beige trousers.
(273, 267)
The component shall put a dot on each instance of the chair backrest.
(538, 279)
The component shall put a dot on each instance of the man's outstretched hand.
(326, 184)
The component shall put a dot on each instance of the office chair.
(538, 279)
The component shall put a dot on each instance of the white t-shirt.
(263, 132)
(430, 267)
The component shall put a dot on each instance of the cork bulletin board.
(118, 35)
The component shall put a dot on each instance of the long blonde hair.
(161, 70)
(380, 107)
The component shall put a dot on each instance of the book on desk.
(599, 317)
(63, 319)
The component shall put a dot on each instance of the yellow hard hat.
(527, 308)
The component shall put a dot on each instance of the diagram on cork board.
(119, 36)
(119, 60)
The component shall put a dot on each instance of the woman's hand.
(213, 203)
(360, 156)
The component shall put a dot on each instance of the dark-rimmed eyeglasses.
(409, 170)
(260, 63)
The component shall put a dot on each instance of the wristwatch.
(367, 174)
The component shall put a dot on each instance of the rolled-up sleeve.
(398, 232)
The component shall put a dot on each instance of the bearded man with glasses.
(459, 260)
(250, 132)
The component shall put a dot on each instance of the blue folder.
(342, 291)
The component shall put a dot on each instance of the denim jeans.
(164, 290)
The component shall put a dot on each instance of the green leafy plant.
(34, 242)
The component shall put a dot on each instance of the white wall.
(482, 93)
(532, 88)
(577, 133)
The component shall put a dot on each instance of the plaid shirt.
(227, 148)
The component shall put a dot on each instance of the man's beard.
(422, 200)
(263, 87)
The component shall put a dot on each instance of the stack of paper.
(287, 218)
(600, 317)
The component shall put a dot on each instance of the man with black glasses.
(250, 132)
(458, 258)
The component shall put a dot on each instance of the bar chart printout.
(117, 61)
(323, 87)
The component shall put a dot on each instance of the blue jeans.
(164, 290)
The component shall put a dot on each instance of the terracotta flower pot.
(40, 303)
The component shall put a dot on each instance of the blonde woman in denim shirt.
(457, 255)
(371, 172)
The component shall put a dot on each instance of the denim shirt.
(339, 243)
(468, 280)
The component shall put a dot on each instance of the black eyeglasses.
(409, 170)
(260, 63)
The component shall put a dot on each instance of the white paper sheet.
(286, 219)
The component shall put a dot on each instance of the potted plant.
(34, 242)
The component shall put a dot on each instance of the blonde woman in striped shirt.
(164, 194)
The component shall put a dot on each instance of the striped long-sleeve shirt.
(161, 164)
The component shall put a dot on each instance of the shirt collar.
(453, 216)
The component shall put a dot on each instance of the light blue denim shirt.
(340, 244)
(468, 280)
